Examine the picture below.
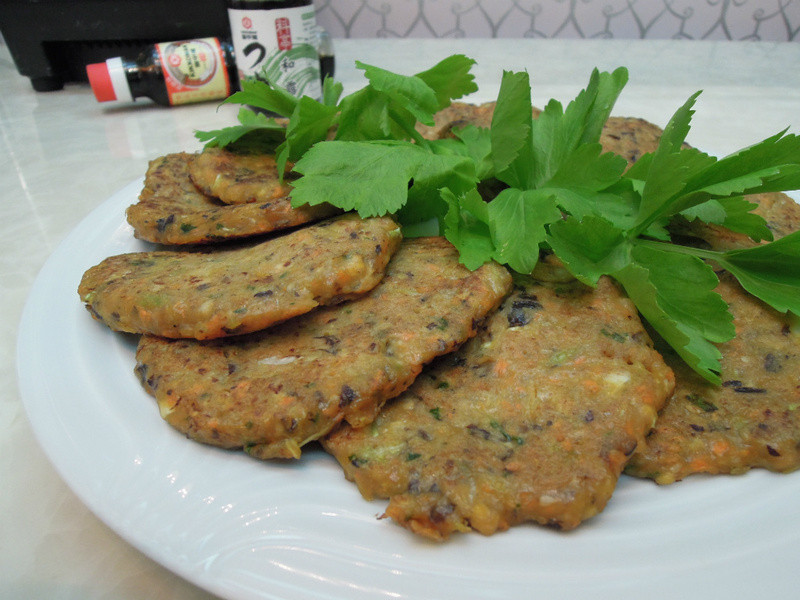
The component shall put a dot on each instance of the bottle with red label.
(169, 73)
(277, 42)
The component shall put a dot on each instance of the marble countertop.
(62, 154)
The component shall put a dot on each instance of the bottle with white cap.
(169, 73)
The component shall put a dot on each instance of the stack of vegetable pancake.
(471, 400)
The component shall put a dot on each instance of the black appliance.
(52, 41)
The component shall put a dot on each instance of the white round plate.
(246, 529)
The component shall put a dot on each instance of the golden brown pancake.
(172, 210)
(752, 420)
(273, 391)
(228, 291)
(630, 137)
(238, 178)
(531, 420)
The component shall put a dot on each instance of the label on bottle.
(194, 70)
(278, 46)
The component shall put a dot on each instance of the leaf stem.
(411, 132)
(679, 249)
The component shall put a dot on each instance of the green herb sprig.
(558, 191)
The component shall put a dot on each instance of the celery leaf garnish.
(528, 185)
(378, 177)
(665, 306)
(270, 133)
(770, 271)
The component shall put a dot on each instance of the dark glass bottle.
(327, 61)
(169, 73)
(278, 43)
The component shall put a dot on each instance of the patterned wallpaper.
(681, 19)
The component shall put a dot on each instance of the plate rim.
(108, 212)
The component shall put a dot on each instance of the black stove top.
(52, 41)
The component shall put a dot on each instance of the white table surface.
(62, 154)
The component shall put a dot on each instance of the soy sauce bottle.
(327, 60)
(277, 42)
(169, 73)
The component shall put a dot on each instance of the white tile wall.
(777, 20)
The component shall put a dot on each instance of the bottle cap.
(108, 81)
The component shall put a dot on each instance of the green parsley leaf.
(450, 79)
(310, 123)
(410, 93)
(373, 178)
(390, 106)
(386, 109)
(590, 247)
(587, 168)
(511, 131)
(686, 289)
(559, 133)
(259, 94)
(592, 107)
(740, 218)
(667, 171)
(366, 115)
(770, 272)
(676, 178)
(466, 226)
(270, 133)
(370, 177)
(734, 213)
(475, 142)
(331, 91)
(711, 211)
(675, 293)
(517, 220)
(437, 172)
(772, 165)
